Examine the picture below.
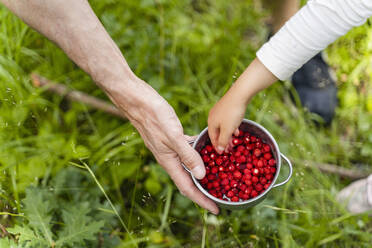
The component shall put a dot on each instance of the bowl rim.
(278, 165)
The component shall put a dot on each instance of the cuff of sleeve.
(273, 64)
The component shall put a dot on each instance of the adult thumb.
(190, 158)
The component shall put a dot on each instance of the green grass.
(190, 52)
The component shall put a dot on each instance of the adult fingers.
(184, 183)
(190, 139)
(190, 158)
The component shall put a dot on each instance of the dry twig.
(76, 96)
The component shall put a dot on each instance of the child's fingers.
(229, 146)
(213, 134)
(236, 132)
(223, 139)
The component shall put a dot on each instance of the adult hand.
(162, 132)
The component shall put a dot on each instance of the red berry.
(216, 184)
(247, 139)
(250, 147)
(248, 182)
(255, 172)
(219, 161)
(213, 156)
(267, 156)
(222, 175)
(241, 133)
(257, 152)
(260, 164)
(224, 181)
(204, 180)
(237, 174)
(258, 187)
(272, 162)
(240, 148)
(248, 176)
(231, 167)
(242, 166)
(266, 186)
(242, 187)
(211, 177)
(233, 183)
(225, 157)
(220, 168)
(211, 163)
(249, 166)
(241, 159)
(253, 139)
(234, 199)
(269, 176)
(214, 170)
(237, 154)
(209, 148)
(273, 169)
(263, 180)
(209, 185)
(236, 141)
(254, 193)
(255, 179)
(230, 194)
(248, 190)
(204, 152)
(205, 159)
(266, 148)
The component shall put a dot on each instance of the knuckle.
(185, 191)
(189, 161)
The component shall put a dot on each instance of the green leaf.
(26, 237)
(152, 186)
(37, 211)
(7, 243)
(78, 226)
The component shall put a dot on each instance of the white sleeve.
(310, 30)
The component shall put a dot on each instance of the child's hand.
(225, 118)
(227, 114)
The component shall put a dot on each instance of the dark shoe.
(316, 88)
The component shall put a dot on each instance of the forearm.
(310, 31)
(254, 79)
(74, 27)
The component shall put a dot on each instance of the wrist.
(254, 79)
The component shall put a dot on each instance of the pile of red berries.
(243, 173)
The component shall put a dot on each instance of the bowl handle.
(289, 174)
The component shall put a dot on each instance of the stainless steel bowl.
(259, 131)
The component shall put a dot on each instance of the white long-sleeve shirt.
(310, 30)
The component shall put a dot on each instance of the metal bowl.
(256, 130)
